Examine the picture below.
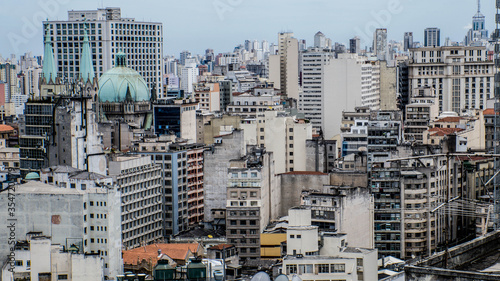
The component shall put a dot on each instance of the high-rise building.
(462, 76)
(477, 35)
(408, 41)
(184, 56)
(252, 201)
(189, 76)
(109, 34)
(284, 67)
(139, 182)
(380, 47)
(320, 40)
(432, 37)
(355, 45)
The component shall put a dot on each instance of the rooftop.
(151, 252)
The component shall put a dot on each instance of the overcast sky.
(196, 25)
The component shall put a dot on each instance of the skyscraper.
(354, 45)
(432, 37)
(380, 43)
(408, 41)
(109, 34)
(284, 66)
(478, 31)
(319, 40)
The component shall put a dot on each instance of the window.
(292, 236)
(62, 277)
(338, 268)
(291, 269)
(299, 236)
(359, 262)
(305, 269)
(19, 263)
(324, 268)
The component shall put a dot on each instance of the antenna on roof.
(478, 6)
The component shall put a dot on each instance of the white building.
(189, 76)
(89, 219)
(109, 34)
(289, 152)
(37, 258)
(139, 181)
(331, 86)
(463, 77)
(324, 256)
(284, 66)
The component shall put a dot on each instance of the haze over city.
(222, 24)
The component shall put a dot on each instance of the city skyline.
(24, 32)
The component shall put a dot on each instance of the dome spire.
(49, 71)
(86, 64)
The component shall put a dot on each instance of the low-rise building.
(38, 258)
(324, 256)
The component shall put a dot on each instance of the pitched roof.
(489, 111)
(221, 247)
(449, 119)
(444, 131)
(150, 252)
(6, 128)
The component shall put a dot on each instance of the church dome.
(122, 83)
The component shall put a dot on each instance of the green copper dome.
(121, 83)
(32, 176)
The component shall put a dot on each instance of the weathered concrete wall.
(215, 171)
(292, 185)
(354, 179)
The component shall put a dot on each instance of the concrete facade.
(139, 181)
(89, 219)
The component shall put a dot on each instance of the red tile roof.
(444, 131)
(5, 128)
(150, 252)
(489, 111)
(449, 119)
(221, 247)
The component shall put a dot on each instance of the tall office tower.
(380, 48)
(170, 65)
(252, 200)
(462, 76)
(320, 40)
(284, 67)
(184, 56)
(248, 45)
(408, 41)
(432, 37)
(255, 45)
(226, 94)
(139, 182)
(477, 35)
(355, 45)
(8, 74)
(88, 219)
(331, 85)
(265, 46)
(189, 76)
(109, 34)
(302, 45)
